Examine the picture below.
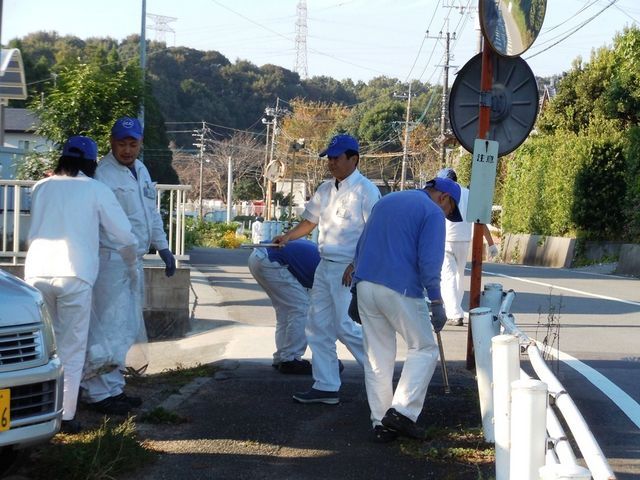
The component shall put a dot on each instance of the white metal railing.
(176, 214)
(15, 217)
(509, 400)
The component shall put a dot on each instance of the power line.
(571, 32)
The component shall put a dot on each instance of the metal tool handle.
(445, 375)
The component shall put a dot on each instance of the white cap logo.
(127, 123)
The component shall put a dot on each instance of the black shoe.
(133, 402)
(456, 322)
(403, 425)
(70, 427)
(317, 396)
(382, 434)
(110, 406)
(295, 367)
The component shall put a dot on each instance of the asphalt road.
(599, 327)
(598, 318)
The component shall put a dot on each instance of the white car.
(31, 378)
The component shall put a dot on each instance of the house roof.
(20, 120)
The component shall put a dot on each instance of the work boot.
(110, 406)
(456, 322)
(403, 425)
(133, 402)
(70, 427)
(295, 367)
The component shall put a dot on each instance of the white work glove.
(130, 258)
(132, 272)
(129, 254)
(438, 316)
(493, 251)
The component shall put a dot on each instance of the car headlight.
(47, 329)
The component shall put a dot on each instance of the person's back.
(395, 247)
(65, 227)
(301, 258)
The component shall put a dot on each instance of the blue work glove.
(169, 260)
(438, 316)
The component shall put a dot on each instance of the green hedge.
(567, 185)
(632, 202)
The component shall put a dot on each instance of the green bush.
(566, 185)
(207, 234)
(632, 201)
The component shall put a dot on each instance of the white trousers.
(290, 301)
(328, 322)
(452, 277)
(117, 316)
(68, 300)
(384, 312)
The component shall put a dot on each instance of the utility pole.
(444, 113)
(276, 114)
(201, 135)
(143, 64)
(408, 126)
(229, 189)
(266, 121)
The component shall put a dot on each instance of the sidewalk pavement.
(242, 422)
(217, 336)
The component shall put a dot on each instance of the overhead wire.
(573, 30)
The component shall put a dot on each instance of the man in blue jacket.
(286, 275)
(398, 256)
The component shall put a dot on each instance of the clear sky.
(357, 39)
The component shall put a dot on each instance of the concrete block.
(166, 306)
(538, 250)
(629, 261)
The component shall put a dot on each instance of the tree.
(87, 101)
(315, 122)
(247, 157)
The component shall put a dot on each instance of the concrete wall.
(537, 250)
(629, 261)
(166, 306)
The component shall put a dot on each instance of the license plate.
(5, 409)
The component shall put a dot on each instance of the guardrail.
(15, 218)
(512, 403)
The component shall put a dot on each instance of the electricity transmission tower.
(161, 26)
(301, 40)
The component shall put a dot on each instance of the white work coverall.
(290, 301)
(117, 306)
(67, 214)
(340, 214)
(456, 251)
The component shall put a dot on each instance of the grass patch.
(175, 377)
(161, 416)
(461, 446)
(99, 454)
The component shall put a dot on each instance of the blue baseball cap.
(127, 127)
(446, 185)
(340, 144)
(447, 172)
(81, 147)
